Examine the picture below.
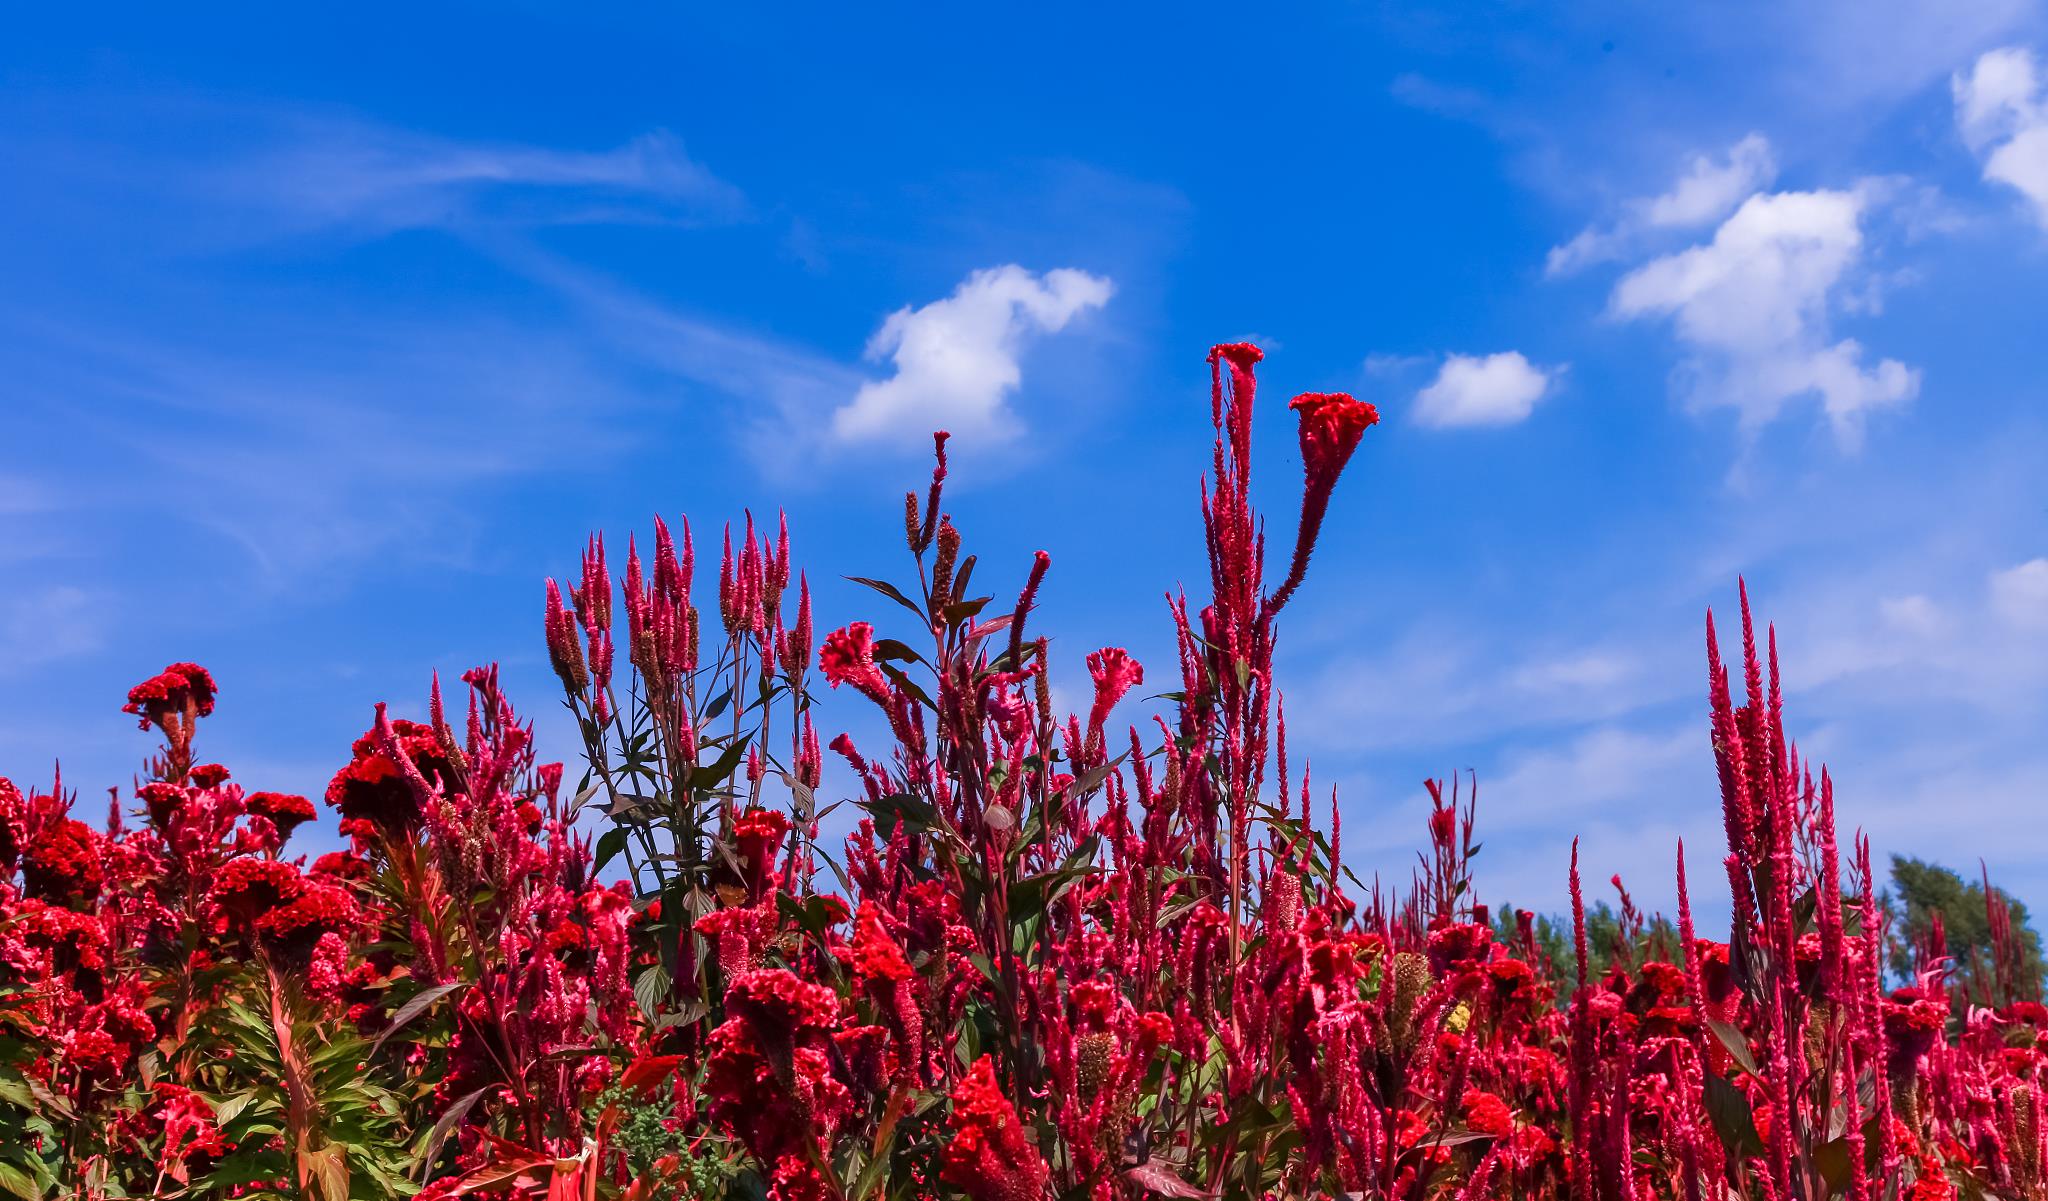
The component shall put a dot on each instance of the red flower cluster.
(1061, 960)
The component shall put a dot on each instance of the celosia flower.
(989, 1158)
(292, 929)
(169, 693)
(759, 835)
(1488, 1114)
(250, 887)
(1331, 425)
(769, 1076)
(287, 811)
(371, 793)
(13, 824)
(848, 657)
(62, 864)
(1115, 673)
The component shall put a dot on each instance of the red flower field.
(1054, 960)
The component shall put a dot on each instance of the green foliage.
(1921, 890)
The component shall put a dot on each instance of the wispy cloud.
(372, 179)
(40, 625)
(1706, 192)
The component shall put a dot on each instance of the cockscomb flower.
(1115, 673)
(13, 824)
(759, 835)
(162, 801)
(170, 692)
(250, 887)
(292, 930)
(287, 811)
(1331, 425)
(371, 793)
(61, 864)
(769, 1075)
(848, 657)
(989, 1157)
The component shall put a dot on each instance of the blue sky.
(324, 339)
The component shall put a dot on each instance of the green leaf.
(443, 1128)
(412, 1009)
(889, 590)
(19, 1183)
(609, 844)
(898, 807)
(650, 988)
(1733, 1121)
(706, 776)
(1737, 1044)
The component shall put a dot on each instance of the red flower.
(292, 930)
(1115, 673)
(248, 888)
(1331, 425)
(371, 793)
(209, 775)
(848, 657)
(989, 1158)
(170, 692)
(62, 864)
(769, 1076)
(1488, 1114)
(13, 824)
(759, 834)
(287, 811)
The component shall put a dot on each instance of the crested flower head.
(371, 792)
(989, 1157)
(848, 657)
(170, 692)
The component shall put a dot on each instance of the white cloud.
(2020, 594)
(2002, 109)
(1709, 190)
(1915, 615)
(1753, 306)
(1496, 389)
(957, 359)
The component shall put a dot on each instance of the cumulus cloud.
(1753, 307)
(2002, 110)
(1708, 190)
(957, 359)
(2020, 594)
(1494, 389)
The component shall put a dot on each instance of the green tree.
(1985, 971)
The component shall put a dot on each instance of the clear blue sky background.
(325, 337)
